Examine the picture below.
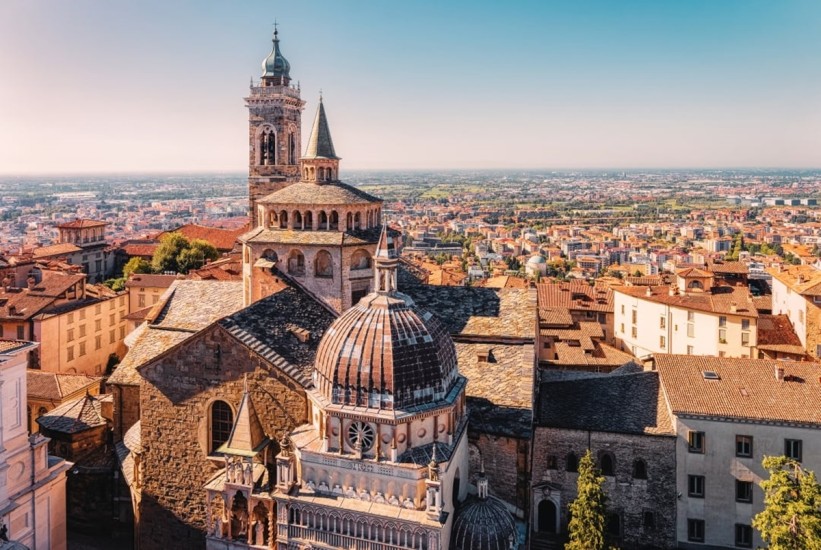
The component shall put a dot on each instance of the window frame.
(696, 486)
(740, 441)
(745, 495)
(693, 437)
(697, 525)
(789, 447)
(212, 447)
(748, 531)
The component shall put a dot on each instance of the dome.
(483, 524)
(386, 353)
(534, 260)
(275, 64)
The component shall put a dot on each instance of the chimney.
(672, 290)
(31, 282)
(107, 409)
(733, 307)
(649, 291)
(800, 278)
(12, 310)
(779, 374)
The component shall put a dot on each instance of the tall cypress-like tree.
(791, 519)
(587, 511)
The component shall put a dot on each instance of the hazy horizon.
(158, 87)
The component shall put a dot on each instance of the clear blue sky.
(100, 85)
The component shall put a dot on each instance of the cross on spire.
(276, 32)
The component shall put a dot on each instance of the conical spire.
(247, 436)
(320, 144)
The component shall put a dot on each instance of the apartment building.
(728, 414)
(796, 292)
(693, 316)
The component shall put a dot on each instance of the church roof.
(324, 238)
(77, 415)
(275, 64)
(247, 436)
(320, 144)
(55, 387)
(314, 194)
(483, 524)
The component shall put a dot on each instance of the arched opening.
(323, 220)
(547, 522)
(607, 464)
(296, 263)
(639, 469)
(222, 420)
(457, 484)
(269, 254)
(333, 220)
(360, 259)
(266, 147)
(239, 517)
(313, 173)
(572, 462)
(323, 265)
(349, 221)
(308, 218)
(291, 148)
(695, 285)
(297, 219)
(260, 525)
(273, 219)
(283, 220)
(357, 221)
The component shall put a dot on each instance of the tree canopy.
(791, 519)
(176, 254)
(587, 515)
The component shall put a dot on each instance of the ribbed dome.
(275, 64)
(483, 524)
(386, 353)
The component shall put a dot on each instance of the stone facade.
(176, 399)
(506, 463)
(645, 508)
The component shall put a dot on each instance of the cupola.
(276, 71)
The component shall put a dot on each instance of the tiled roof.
(558, 317)
(776, 330)
(74, 416)
(185, 308)
(10, 346)
(619, 403)
(729, 268)
(224, 269)
(584, 333)
(81, 224)
(272, 328)
(602, 356)
(803, 279)
(317, 195)
(763, 303)
(694, 272)
(504, 281)
(575, 296)
(318, 238)
(746, 389)
(60, 249)
(477, 312)
(150, 280)
(718, 300)
(222, 239)
(139, 249)
(24, 305)
(499, 390)
(55, 387)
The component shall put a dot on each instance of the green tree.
(136, 265)
(165, 256)
(195, 256)
(791, 519)
(115, 284)
(587, 511)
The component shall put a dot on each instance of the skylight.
(710, 375)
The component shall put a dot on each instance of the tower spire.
(385, 260)
(320, 163)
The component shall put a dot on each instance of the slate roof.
(55, 387)
(320, 144)
(617, 403)
(317, 195)
(185, 308)
(77, 415)
(746, 389)
(499, 392)
(718, 300)
(270, 327)
(318, 238)
(479, 312)
(126, 449)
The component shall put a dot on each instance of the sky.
(158, 85)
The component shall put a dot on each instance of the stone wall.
(637, 501)
(506, 466)
(126, 408)
(176, 397)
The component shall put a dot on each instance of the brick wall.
(175, 399)
(506, 466)
(628, 496)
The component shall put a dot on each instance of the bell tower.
(274, 122)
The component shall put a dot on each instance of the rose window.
(362, 433)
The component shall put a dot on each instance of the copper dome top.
(386, 353)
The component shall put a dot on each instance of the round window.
(362, 433)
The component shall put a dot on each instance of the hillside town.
(304, 359)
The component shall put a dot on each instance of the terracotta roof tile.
(320, 195)
(222, 239)
(575, 296)
(719, 299)
(803, 279)
(60, 249)
(55, 387)
(744, 389)
(81, 224)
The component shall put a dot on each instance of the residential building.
(728, 414)
(49, 390)
(796, 292)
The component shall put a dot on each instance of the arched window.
(296, 263)
(360, 259)
(309, 220)
(349, 221)
(297, 219)
(323, 265)
(333, 220)
(639, 469)
(608, 464)
(267, 147)
(272, 219)
(222, 420)
(291, 148)
(323, 220)
(283, 220)
(269, 254)
(695, 285)
(572, 462)
(357, 221)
